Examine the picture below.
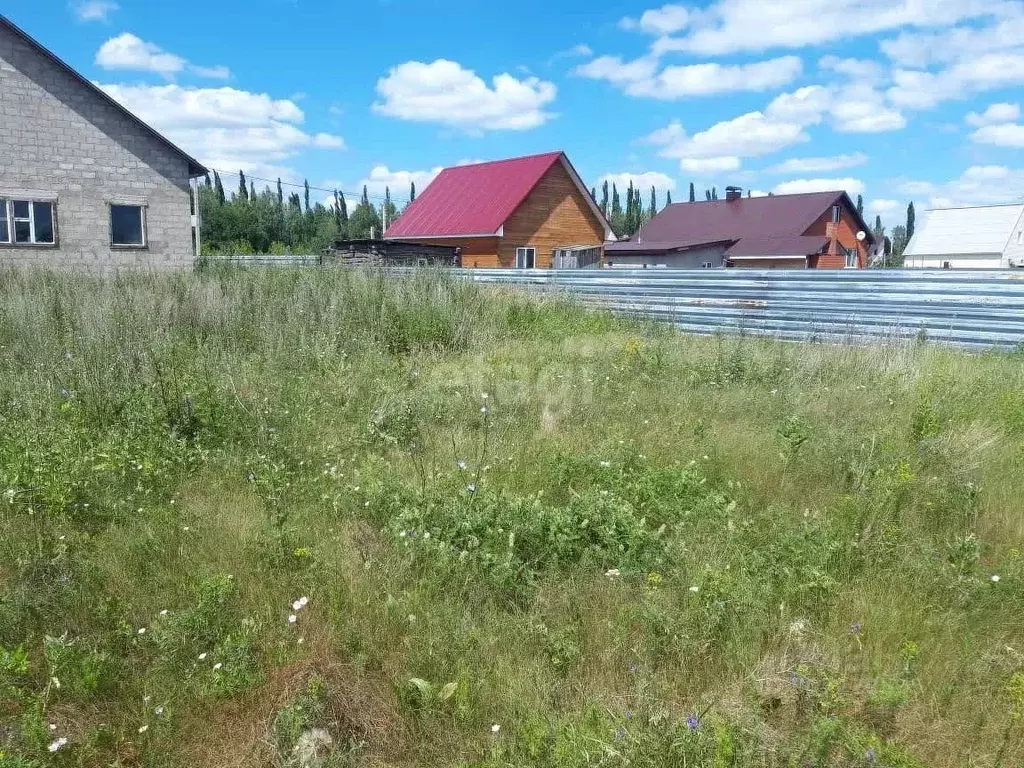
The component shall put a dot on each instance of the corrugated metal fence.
(968, 308)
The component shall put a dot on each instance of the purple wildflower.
(693, 722)
(855, 629)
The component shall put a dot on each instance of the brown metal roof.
(762, 218)
(195, 168)
(778, 246)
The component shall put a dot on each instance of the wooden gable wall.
(554, 215)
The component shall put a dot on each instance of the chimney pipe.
(733, 193)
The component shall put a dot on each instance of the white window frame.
(143, 212)
(835, 214)
(851, 256)
(9, 218)
(707, 265)
(521, 257)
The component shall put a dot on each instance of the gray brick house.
(83, 182)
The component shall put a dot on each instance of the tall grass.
(527, 535)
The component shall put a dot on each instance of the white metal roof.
(964, 230)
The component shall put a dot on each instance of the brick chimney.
(733, 193)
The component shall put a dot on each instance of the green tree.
(878, 230)
(342, 216)
(305, 183)
(911, 220)
(206, 179)
(243, 188)
(654, 205)
(252, 190)
(860, 205)
(388, 211)
(714, 193)
(280, 194)
(707, 195)
(412, 191)
(693, 195)
(604, 198)
(899, 245)
(668, 198)
(218, 188)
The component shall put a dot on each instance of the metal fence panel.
(969, 308)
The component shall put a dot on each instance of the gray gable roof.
(195, 168)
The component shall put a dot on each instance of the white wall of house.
(1015, 248)
(958, 261)
(687, 260)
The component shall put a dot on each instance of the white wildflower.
(146, 699)
(53, 726)
(57, 744)
(143, 728)
(217, 666)
(296, 606)
(303, 601)
(495, 728)
(484, 396)
(613, 573)
(461, 464)
(411, 618)
(606, 463)
(483, 409)
(158, 711)
(302, 640)
(142, 630)
(163, 612)
(202, 656)
(292, 618)
(695, 589)
(995, 578)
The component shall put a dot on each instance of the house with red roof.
(820, 230)
(526, 212)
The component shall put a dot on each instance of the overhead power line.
(348, 195)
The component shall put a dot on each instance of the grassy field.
(322, 518)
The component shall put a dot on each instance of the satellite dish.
(862, 236)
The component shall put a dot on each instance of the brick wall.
(59, 138)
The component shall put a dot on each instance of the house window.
(128, 225)
(27, 222)
(851, 259)
(526, 258)
(835, 214)
(707, 265)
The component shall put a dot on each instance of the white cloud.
(796, 186)
(645, 180)
(996, 113)
(619, 72)
(805, 106)
(819, 164)
(881, 206)
(444, 92)
(224, 127)
(1002, 135)
(328, 141)
(921, 89)
(730, 26)
(128, 52)
(863, 70)
(749, 135)
(978, 185)
(857, 108)
(862, 109)
(675, 82)
(667, 20)
(923, 49)
(381, 177)
(710, 165)
(93, 10)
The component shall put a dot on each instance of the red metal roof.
(472, 199)
(765, 219)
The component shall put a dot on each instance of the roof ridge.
(505, 160)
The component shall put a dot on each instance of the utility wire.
(348, 195)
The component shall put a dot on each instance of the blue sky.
(897, 99)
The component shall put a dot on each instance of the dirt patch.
(237, 732)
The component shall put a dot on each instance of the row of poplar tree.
(248, 222)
